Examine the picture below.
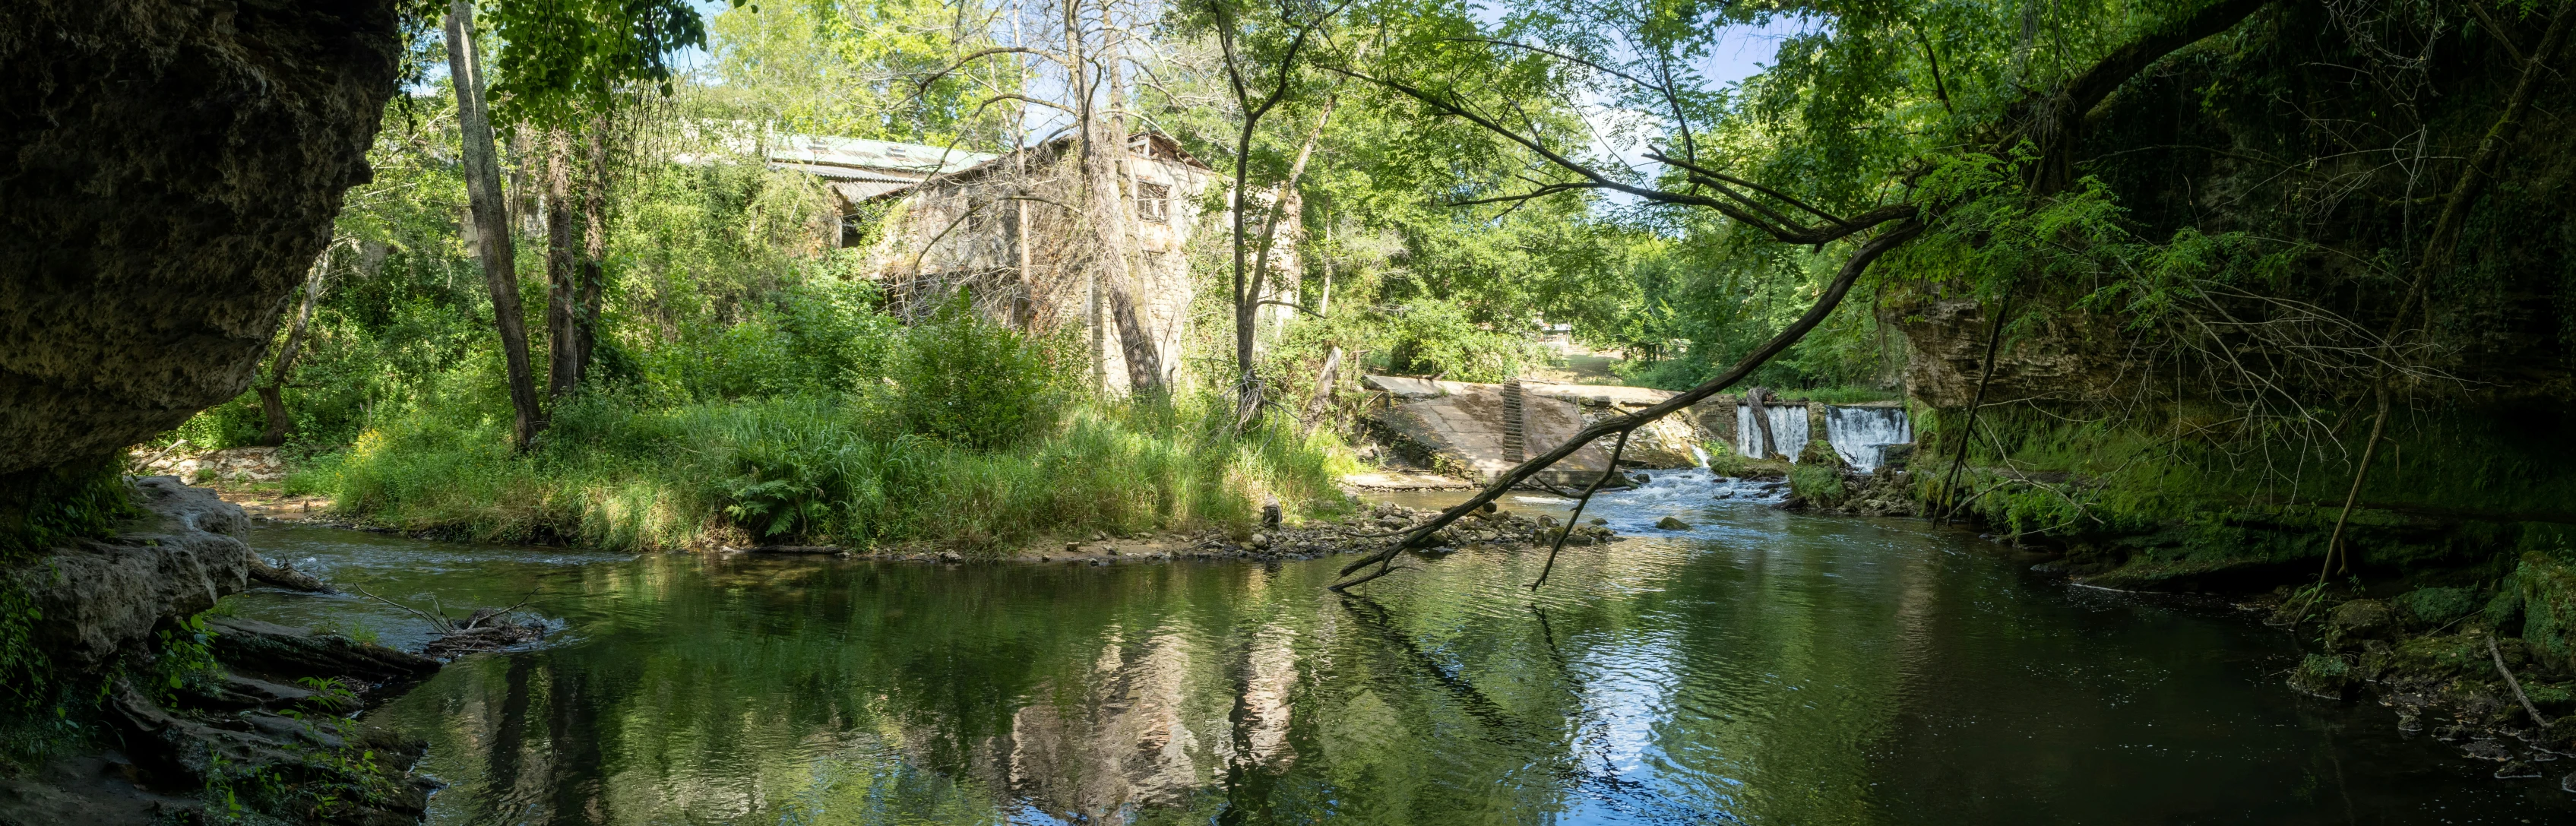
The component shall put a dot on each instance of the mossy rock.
(2553, 699)
(2434, 607)
(2548, 591)
(1821, 454)
(1818, 485)
(2447, 657)
(2322, 675)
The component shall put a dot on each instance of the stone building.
(1013, 232)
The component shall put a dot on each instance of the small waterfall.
(1699, 455)
(1862, 434)
(1788, 424)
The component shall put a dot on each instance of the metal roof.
(861, 159)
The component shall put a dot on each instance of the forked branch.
(1852, 270)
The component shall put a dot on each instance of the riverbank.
(824, 471)
(1355, 529)
(126, 704)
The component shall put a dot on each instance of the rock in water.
(285, 576)
(173, 167)
(1672, 524)
(287, 654)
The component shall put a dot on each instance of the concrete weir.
(1477, 432)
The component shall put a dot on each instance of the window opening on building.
(1154, 202)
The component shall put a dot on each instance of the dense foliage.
(2213, 236)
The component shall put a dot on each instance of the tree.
(1251, 51)
(272, 395)
(491, 220)
(565, 64)
(2044, 122)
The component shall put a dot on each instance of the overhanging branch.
(1891, 238)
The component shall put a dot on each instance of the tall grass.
(821, 470)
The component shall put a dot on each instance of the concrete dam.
(1476, 432)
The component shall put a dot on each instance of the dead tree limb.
(1967, 434)
(1869, 252)
(2527, 707)
(1576, 518)
(2369, 449)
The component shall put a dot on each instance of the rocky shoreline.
(183, 718)
(2446, 664)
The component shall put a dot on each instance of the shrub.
(1724, 461)
(1438, 338)
(970, 382)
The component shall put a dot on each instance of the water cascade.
(1788, 425)
(1862, 434)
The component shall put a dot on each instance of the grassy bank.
(820, 470)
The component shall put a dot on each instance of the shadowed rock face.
(168, 169)
(2065, 355)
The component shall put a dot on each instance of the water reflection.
(1761, 667)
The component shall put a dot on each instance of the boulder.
(2322, 675)
(2361, 619)
(2431, 607)
(173, 167)
(100, 597)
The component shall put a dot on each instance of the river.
(1761, 667)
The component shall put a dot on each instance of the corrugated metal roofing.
(857, 158)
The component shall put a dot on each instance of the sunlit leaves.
(562, 59)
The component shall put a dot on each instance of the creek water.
(1760, 667)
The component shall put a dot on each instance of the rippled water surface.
(1762, 667)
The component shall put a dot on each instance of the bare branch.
(1790, 233)
(1852, 269)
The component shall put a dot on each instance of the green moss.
(2503, 612)
(2440, 657)
(2548, 590)
(2437, 606)
(2549, 696)
(44, 507)
(1818, 484)
(2322, 674)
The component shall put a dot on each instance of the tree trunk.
(272, 396)
(563, 270)
(1135, 342)
(594, 249)
(1278, 204)
(491, 220)
(1755, 399)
